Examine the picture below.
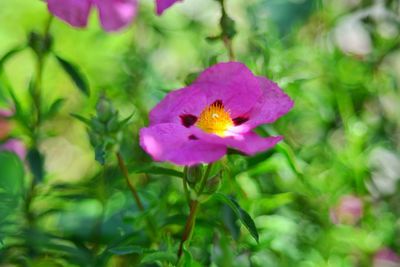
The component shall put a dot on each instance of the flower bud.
(104, 109)
(213, 184)
(40, 44)
(98, 126)
(194, 174)
(348, 211)
(95, 138)
(113, 124)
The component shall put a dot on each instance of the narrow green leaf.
(55, 107)
(126, 120)
(243, 216)
(157, 170)
(36, 164)
(75, 74)
(81, 118)
(9, 54)
(125, 250)
(159, 256)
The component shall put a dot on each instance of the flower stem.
(226, 37)
(189, 226)
(150, 223)
(194, 205)
(124, 170)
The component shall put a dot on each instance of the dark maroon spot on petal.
(218, 103)
(188, 120)
(193, 137)
(239, 120)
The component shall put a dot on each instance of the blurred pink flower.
(14, 146)
(348, 211)
(386, 257)
(114, 14)
(197, 124)
(162, 5)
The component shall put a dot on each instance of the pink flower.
(348, 211)
(14, 146)
(386, 258)
(162, 5)
(197, 124)
(114, 14)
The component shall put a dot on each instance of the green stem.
(131, 187)
(150, 223)
(189, 226)
(194, 205)
(37, 89)
(35, 132)
(226, 38)
(185, 187)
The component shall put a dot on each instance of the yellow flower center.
(215, 119)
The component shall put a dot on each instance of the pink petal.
(14, 146)
(189, 100)
(162, 5)
(248, 143)
(116, 14)
(74, 12)
(273, 104)
(175, 143)
(233, 83)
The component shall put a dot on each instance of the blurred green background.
(339, 62)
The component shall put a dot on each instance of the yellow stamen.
(215, 119)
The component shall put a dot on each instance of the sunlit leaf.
(75, 74)
(243, 216)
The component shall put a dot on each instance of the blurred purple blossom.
(386, 257)
(114, 14)
(348, 211)
(15, 146)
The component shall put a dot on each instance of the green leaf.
(126, 120)
(243, 216)
(159, 256)
(9, 54)
(156, 170)
(81, 118)
(11, 174)
(55, 107)
(11, 188)
(75, 74)
(125, 250)
(36, 164)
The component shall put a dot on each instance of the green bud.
(213, 184)
(194, 174)
(39, 43)
(98, 126)
(104, 109)
(95, 139)
(113, 124)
